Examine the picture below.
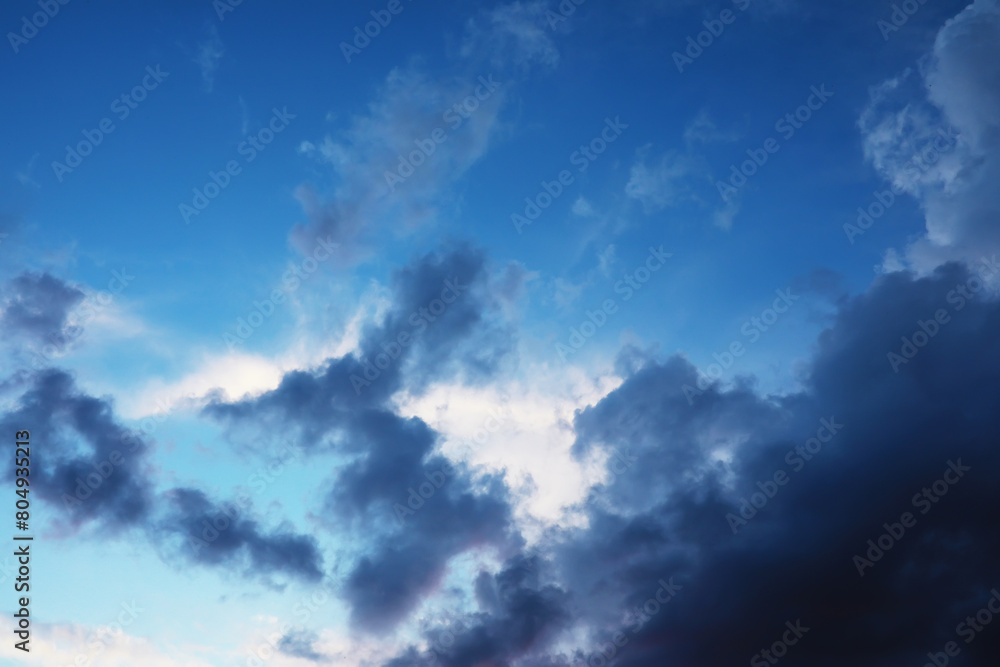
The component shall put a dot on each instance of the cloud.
(514, 33)
(409, 563)
(724, 217)
(682, 176)
(446, 310)
(957, 91)
(299, 644)
(208, 57)
(583, 208)
(25, 177)
(382, 179)
(346, 406)
(888, 437)
(702, 130)
(378, 186)
(69, 644)
(217, 534)
(606, 260)
(97, 475)
(520, 615)
(795, 559)
(664, 183)
(36, 309)
(231, 376)
(531, 445)
(896, 131)
(92, 475)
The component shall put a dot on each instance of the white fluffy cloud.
(959, 89)
(532, 443)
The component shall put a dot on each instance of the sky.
(531, 333)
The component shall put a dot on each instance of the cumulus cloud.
(888, 437)
(956, 90)
(521, 614)
(696, 452)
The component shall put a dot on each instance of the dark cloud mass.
(891, 436)
(897, 413)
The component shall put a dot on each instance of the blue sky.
(213, 217)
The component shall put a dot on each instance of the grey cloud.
(36, 307)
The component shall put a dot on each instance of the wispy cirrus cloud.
(513, 33)
(208, 57)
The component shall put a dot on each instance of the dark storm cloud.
(883, 438)
(418, 511)
(35, 307)
(522, 613)
(92, 472)
(223, 535)
(442, 324)
(519, 614)
(409, 561)
(794, 559)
